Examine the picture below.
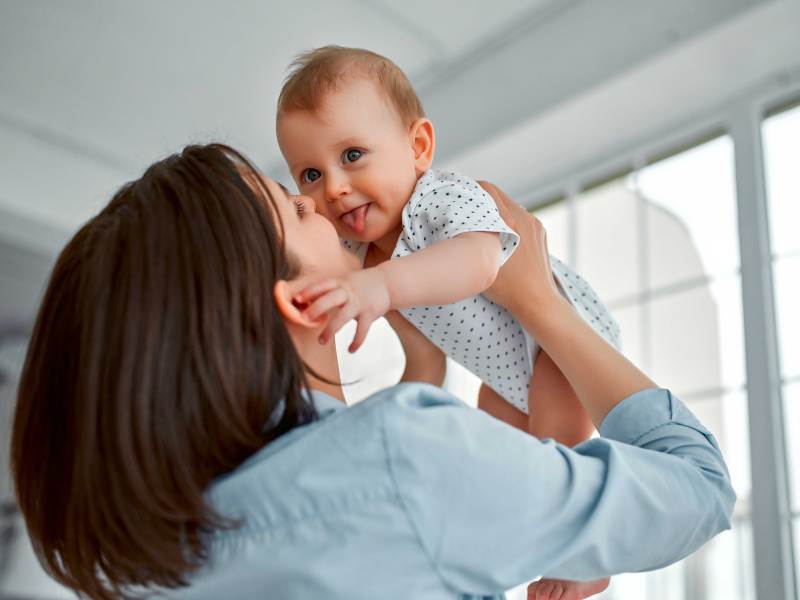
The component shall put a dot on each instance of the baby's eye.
(310, 175)
(300, 208)
(351, 155)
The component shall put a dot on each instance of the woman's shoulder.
(410, 395)
(345, 449)
(388, 412)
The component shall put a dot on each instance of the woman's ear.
(423, 142)
(290, 310)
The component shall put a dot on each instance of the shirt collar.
(325, 404)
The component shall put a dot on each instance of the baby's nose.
(309, 203)
(337, 187)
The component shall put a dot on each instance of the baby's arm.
(452, 246)
(446, 272)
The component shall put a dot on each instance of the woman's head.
(159, 361)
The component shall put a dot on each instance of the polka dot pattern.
(475, 332)
(445, 204)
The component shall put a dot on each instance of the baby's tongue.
(356, 218)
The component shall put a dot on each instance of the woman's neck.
(321, 358)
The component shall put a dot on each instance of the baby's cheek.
(331, 219)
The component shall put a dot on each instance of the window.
(781, 140)
(660, 246)
(378, 364)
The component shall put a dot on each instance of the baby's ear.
(423, 142)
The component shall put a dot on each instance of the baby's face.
(355, 158)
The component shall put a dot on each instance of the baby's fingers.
(362, 328)
(328, 301)
(338, 321)
(315, 290)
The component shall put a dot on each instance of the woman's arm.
(498, 507)
(494, 507)
(598, 373)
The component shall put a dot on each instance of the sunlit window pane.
(727, 566)
(555, 219)
(726, 416)
(791, 420)
(796, 528)
(378, 364)
(672, 252)
(462, 383)
(629, 319)
(661, 247)
(692, 225)
(781, 135)
(720, 570)
(727, 295)
(608, 240)
(664, 584)
(696, 337)
(787, 299)
(684, 333)
(781, 141)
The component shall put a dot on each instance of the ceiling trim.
(66, 142)
(438, 74)
(34, 235)
(583, 45)
(398, 18)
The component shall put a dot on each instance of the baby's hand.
(361, 295)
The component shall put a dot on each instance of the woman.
(165, 435)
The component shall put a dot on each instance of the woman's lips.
(356, 219)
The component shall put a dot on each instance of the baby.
(356, 140)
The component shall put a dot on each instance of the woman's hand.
(360, 295)
(599, 374)
(526, 276)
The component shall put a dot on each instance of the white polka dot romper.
(477, 333)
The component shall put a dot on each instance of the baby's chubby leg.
(555, 413)
(554, 410)
(494, 404)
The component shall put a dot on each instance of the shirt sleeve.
(441, 210)
(494, 507)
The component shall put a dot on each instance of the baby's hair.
(314, 74)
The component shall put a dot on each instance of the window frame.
(741, 118)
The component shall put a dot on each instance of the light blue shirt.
(413, 494)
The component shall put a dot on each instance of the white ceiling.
(598, 128)
(91, 92)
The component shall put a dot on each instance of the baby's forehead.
(360, 90)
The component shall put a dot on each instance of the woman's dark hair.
(158, 362)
